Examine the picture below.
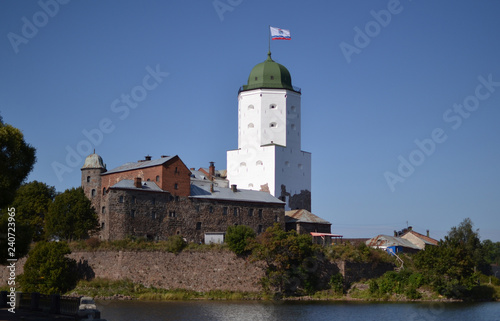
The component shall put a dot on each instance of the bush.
(175, 244)
(47, 270)
(337, 283)
(237, 238)
(93, 243)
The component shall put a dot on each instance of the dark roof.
(145, 186)
(137, 165)
(303, 216)
(202, 191)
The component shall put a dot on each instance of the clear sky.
(400, 99)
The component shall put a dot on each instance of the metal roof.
(93, 161)
(387, 241)
(137, 165)
(202, 191)
(303, 216)
(145, 186)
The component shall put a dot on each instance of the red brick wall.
(171, 173)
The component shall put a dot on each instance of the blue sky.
(400, 99)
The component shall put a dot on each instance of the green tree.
(22, 238)
(452, 267)
(71, 216)
(32, 201)
(47, 269)
(491, 251)
(291, 261)
(238, 237)
(16, 161)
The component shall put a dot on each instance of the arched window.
(104, 191)
(92, 193)
(88, 179)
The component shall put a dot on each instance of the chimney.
(148, 158)
(212, 188)
(233, 188)
(395, 233)
(428, 233)
(164, 156)
(410, 228)
(137, 182)
(211, 171)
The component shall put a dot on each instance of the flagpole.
(269, 31)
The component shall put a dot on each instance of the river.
(296, 310)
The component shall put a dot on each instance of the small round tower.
(91, 179)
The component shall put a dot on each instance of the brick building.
(162, 197)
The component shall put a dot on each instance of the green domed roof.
(269, 74)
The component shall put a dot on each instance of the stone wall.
(198, 271)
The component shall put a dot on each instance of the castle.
(267, 174)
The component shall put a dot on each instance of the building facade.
(159, 198)
(269, 156)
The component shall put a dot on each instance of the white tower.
(269, 155)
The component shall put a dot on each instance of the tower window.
(104, 191)
(171, 214)
(88, 179)
(294, 108)
(272, 106)
(256, 78)
(103, 210)
(273, 124)
(92, 193)
(272, 77)
(198, 226)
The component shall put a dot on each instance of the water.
(291, 311)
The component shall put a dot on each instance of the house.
(305, 222)
(419, 240)
(392, 244)
(158, 198)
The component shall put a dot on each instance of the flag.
(280, 34)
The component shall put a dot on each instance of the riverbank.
(103, 289)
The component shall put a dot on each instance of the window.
(102, 226)
(103, 209)
(250, 107)
(211, 209)
(256, 78)
(294, 108)
(273, 125)
(259, 162)
(177, 198)
(172, 214)
(157, 178)
(235, 211)
(92, 193)
(198, 226)
(132, 213)
(293, 127)
(176, 170)
(250, 125)
(120, 199)
(197, 207)
(224, 211)
(272, 77)
(88, 179)
(259, 229)
(176, 186)
(276, 218)
(104, 191)
(133, 200)
(154, 201)
(272, 106)
(250, 212)
(300, 166)
(260, 213)
(153, 215)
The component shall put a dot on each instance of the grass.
(108, 288)
(141, 244)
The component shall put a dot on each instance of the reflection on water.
(257, 310)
